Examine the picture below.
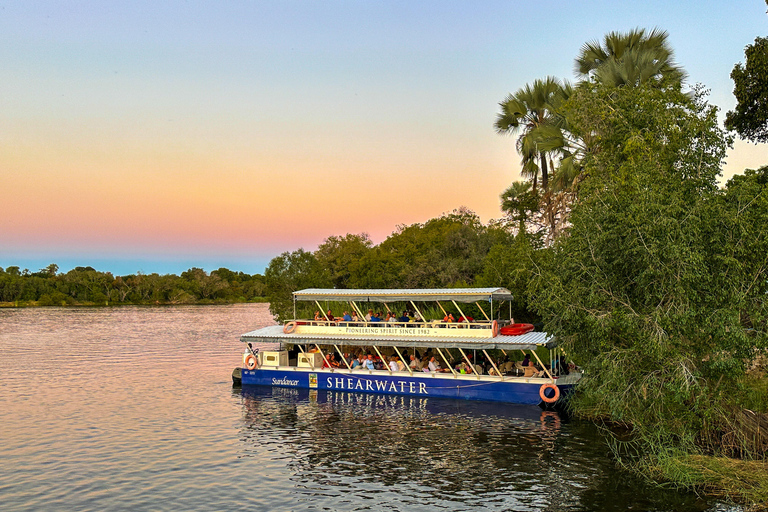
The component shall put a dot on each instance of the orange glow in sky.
(226, 134)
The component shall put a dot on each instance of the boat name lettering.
(405, 331)
(399, 386)
(285, 381)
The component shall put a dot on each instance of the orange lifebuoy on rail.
(250, 361)
(495, 328)
(545, 398)
(289, 327)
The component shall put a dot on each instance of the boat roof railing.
(467, 295)
(528, 341)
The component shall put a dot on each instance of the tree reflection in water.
(348, 451)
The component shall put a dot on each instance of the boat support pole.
(407, 366)
(324, 358)
(386, 364)
(542, 365)
(446, 361)
(493, 364)
(482, 311)
(360, 315)
(322, 310)
(461, 312)
(441, 307)
(342, 357)
(469, 363)
(423, 320)
(311, 360)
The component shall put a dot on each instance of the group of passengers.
(430, 363)
(372, 317)
(390, 318)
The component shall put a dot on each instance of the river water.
(132, 408)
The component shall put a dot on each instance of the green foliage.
(659, 289)
(629, 59)
(289, 272)
(512, 266)
(341, 255)
(750, 117)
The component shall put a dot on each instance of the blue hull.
(429, 385)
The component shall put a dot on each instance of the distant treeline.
(86, 285)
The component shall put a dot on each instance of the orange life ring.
(545, 398)
(289, 327)
(250, 362)
(495, 328)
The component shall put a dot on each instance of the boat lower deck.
(520, 390)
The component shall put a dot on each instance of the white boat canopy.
(467, 295)
(528, 341)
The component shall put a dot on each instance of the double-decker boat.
(468, 358)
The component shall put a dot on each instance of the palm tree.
(531, 113)
(631, 59)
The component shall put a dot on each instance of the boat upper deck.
(402, 336)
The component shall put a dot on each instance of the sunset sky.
(157, 136)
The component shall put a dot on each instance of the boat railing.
(429, 324)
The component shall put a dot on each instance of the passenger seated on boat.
(463, 367)
(434, 366)
(393, 364)
(368, 363)
(347, 317)
(449, 318)
(330, 316)
(330, 362)
(369, 315)
(405, 317)
(412, 317)
(355, 318)
(357, 362)
(318, 318)
(391, 317)
(415, 364)
(375, 318)
(526, 360)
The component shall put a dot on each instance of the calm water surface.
(132, 408)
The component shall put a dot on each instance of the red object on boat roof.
(516, 329)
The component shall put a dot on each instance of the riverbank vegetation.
(85, 286)
(620, 241)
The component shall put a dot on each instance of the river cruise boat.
(455, 356)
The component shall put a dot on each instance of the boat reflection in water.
(346, 451)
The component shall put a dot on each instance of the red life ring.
(289, 327)
(547, 399)
(250, 362)
(516, 329)
(495, 328)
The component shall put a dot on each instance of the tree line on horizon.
(88, 286)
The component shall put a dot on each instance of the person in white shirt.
(434, 366)
(415, 363)
(393, 364)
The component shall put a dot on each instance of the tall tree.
(530, 112)
(631, 58)
(750, 117)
